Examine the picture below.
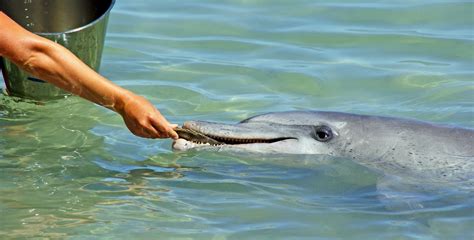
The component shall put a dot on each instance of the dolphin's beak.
(195, 136)
(208, 133)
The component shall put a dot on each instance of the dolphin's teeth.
(214, 140)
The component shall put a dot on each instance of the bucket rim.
(106, 13)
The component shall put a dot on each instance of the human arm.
(55, 64)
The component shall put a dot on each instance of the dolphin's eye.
(322, 133)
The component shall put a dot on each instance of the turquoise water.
(71, 170)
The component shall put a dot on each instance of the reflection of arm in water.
(55, 64)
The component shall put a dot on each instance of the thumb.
(172, 134)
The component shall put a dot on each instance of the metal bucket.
(78, 25)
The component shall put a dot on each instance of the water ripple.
(69, 169)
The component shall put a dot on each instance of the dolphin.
(399, 147)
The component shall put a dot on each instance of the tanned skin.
(55, 64)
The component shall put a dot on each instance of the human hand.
(144, 120)
(57, 65)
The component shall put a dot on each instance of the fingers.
(141, 130)
(152, 131)
(164, 128)
(144, 120)
(172, 134)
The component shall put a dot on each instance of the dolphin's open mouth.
(198, 137)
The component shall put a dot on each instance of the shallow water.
(69, 169)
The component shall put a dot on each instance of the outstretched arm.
(55, 64)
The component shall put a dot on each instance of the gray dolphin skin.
(391, 145)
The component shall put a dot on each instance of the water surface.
(71, 170)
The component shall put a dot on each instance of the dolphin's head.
(283, 132)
